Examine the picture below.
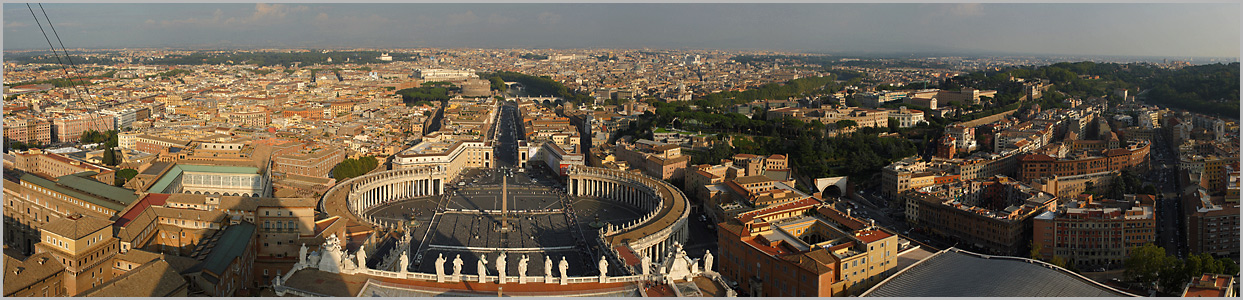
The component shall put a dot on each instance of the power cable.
(49, 44)
(62, 47)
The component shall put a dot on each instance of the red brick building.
(1034, 166)
(1096, 232)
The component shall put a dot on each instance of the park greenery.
(532, 56)
(772, 91)
(429, 92)
(351, 167)
(1209, 89)
(498, 84)
(1150, 266)
(538, 86)
(807, 145)
(862, 152)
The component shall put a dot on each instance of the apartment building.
(1212, 225)
(992, 214)
(1091, 232)
(28, 130)
(1133, 156)
(70, 128)
(823, 253)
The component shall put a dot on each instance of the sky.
(1174, 30)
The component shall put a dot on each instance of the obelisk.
(505, 204)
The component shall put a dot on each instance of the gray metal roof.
(88, 190)
(231, 245)
(957, 273)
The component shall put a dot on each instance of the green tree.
(110, 157)
(497, 83)
(112, 141)
(90, 136)
(127, 173)
(1058, 261)
(843, 124)
(1036, 248)
(1146, 264)
(351, 167)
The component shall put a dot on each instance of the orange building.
(85, 246)
(28, 130)
(1034, 166)
(782, 252)
(1096, 233)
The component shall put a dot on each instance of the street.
(1164, 175)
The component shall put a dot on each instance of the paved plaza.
(543, 219)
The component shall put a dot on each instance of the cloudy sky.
(1176, 30)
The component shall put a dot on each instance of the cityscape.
(620, 150)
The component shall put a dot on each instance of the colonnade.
(620, 191)
(395, 189)
(660, 199)
(376, 189)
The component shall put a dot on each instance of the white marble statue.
(522, 269)
(564, 266)
(604, 268)
(457, 268)
(302, 255)
(481, 265)
(548, 269)
(646, 265)
(330, 255)
(440, 268)
(500, 268)
(362, 257)
(708, 261)
(404, 262)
